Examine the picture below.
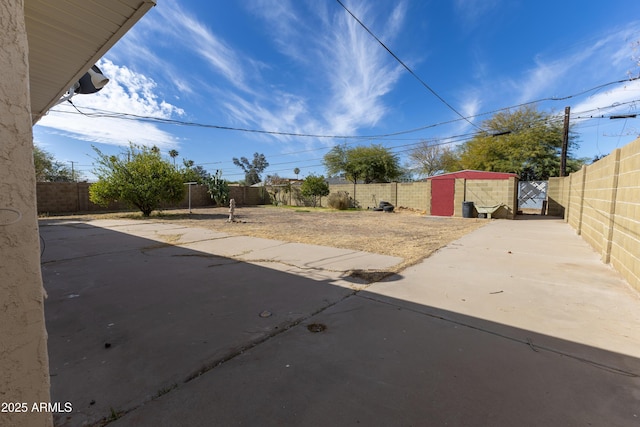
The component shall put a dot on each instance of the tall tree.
(138, 177)
(191, 173)
(373, 163)
(252, 169)
(524, 141)
(48, 169)
(173, 154)
(432, 157)
(314, 187)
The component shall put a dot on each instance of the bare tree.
(431, 158)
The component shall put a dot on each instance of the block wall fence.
(417, 195)
(73, 197)
(602, 203)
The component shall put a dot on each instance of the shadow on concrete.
(145, 333)
(194, 215)
(536, 217)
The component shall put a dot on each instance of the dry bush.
(340, 200)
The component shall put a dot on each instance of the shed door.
(442, 192)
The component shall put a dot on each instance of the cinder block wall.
(602, 203)
(491, 192)
(556, 197)
(625, 235)
(575, 199)
(369, 195)
(72, 197)
(244, 195)
(68, 197)
(416, 195)
(598, 202)
(459, 196)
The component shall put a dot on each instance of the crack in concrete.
(232, 355)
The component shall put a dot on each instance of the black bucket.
(467, 210)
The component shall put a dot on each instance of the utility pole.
(565, 142)
(73, 173)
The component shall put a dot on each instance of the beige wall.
(491, 192)
(417, 195)
(602, 203)
(368, 195)
(24, 365)
(246, 195)
(70, 197)
(557, 196)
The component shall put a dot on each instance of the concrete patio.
(517, 323)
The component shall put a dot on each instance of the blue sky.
(308, 68)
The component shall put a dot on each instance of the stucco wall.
(24, 365)
(602, 203)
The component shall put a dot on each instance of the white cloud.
(471, 106)
(284, 25)
(473, 11)
(339, 86)
(350, 71)
(618, 100)
(126, 92)
(195, 36)
(608, 58)
(396, 20)
(357, 71)
(134, 51)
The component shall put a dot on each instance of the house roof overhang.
(67, 37)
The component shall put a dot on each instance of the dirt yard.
(407, 234)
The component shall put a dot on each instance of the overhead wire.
(432, 141)
(406, 67)
(99, 113)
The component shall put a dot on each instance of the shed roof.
(473, 174)
(67, 37)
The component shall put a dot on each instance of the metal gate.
(532, 194)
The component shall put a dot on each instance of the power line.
(99, 113)
(407, 67)
(578, 116)
(409, 147)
